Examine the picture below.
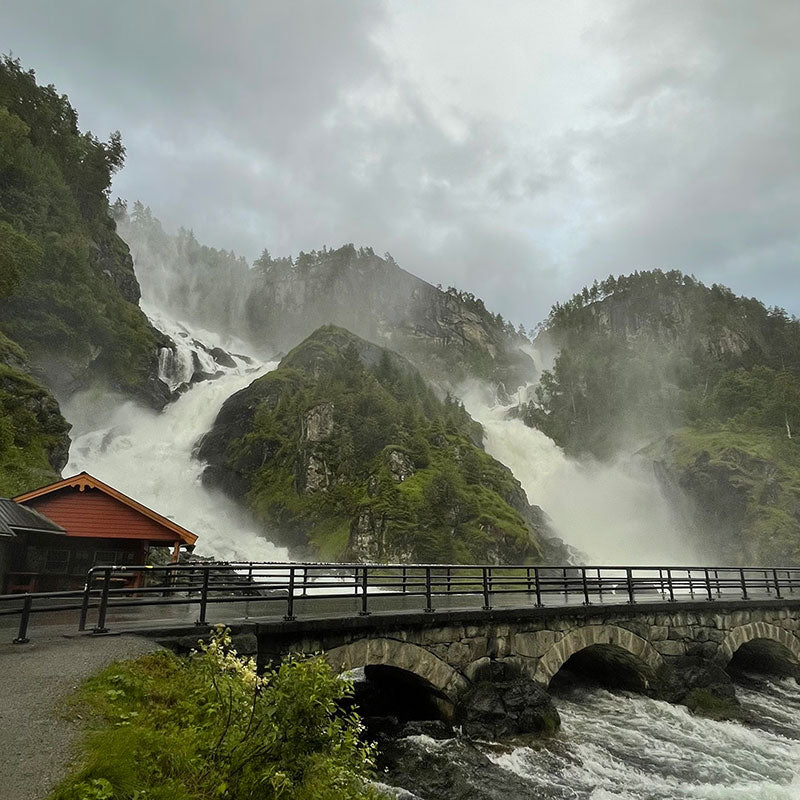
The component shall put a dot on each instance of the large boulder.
(502, 704)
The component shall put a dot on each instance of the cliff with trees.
(701, 381)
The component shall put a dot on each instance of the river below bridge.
(622, 746)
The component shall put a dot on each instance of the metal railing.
(285, 587)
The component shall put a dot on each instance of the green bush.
(209, 726)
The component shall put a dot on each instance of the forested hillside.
(345, 452)
(68, 293)
(707, 382)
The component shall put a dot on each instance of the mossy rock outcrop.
(740, 490)
(34, 441)
(344, 452)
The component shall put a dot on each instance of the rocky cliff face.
(671, 310)
(448, 335)
(705, 383)
(739, 491)
(344, 452)
(34, 444)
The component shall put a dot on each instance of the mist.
(538, 149)
(615, 513)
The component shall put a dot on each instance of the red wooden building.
(102, 525)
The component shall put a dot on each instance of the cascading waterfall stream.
(614, 513)
(148, 455)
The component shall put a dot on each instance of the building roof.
(83, 481)
(16, 518)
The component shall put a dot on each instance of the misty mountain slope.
(706, 382)
(68, 293)
(347, 453)
(449, 335)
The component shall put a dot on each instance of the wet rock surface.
(493, 710)
(417, 765)
(703, 687)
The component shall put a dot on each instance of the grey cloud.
(287, 125)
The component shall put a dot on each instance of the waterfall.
(148, 455)
(614, 513)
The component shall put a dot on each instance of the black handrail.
(215, 583)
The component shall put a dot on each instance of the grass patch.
(166, 727)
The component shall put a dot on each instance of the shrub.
(209, 726)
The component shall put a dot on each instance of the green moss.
(746, 488)
(33, 434)
(704, 703)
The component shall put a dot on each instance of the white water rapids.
(617, 745)
(620, 746)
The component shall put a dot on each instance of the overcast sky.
(515, 149)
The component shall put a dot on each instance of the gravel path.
(36, 744)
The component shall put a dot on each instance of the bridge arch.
(402, 655)
(589, 635)
(754, 631)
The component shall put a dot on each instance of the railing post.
(708, 585)
(716, 578)
(629, 579)
(101, 614)
(87, 589)
(599, 585)
(364, 610)
(355, 581)
(405, 579)
(670, 587)
(305, 581)
(566, 585)
(661, 580)
(766, 583)
(487, 605)
(790, 581)
(528, 572)
(691, 586)
(201, 620)
(428, 599)
(538, 587)
(22, 633)
(585, 587)
(289, 615)
(447, 576)
(744, 584)
(777, 584)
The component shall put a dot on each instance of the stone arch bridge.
(451, 650)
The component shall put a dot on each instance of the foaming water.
(615, 513)
(148, 455)
(616, 745)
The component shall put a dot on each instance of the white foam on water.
(617, 745)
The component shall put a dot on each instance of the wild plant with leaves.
(209, 726)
